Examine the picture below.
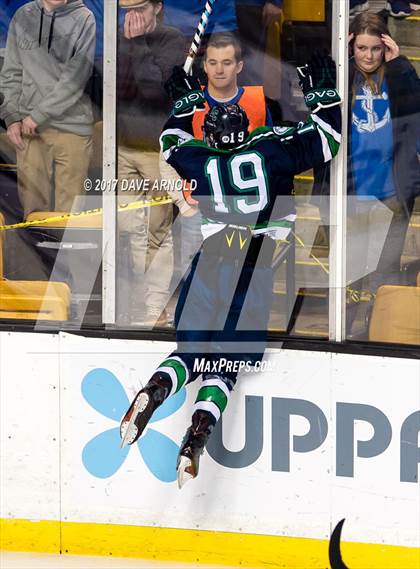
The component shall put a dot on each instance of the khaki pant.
(53, 164)
(149, 230)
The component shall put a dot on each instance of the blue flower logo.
(103, 456)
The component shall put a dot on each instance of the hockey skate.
(192, 446)
(142, 408)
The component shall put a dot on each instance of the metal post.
(109, 162)
(338, 186)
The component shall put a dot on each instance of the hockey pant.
(221, 324)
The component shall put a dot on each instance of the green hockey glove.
(185, 90)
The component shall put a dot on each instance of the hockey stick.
(198, 36)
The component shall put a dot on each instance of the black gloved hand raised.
(179, 83)
(318, 80)
(184, 90)
(319, 72)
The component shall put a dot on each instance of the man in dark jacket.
(147, 55)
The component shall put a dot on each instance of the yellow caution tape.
(305, 178)
(88, 213)
(138, 204)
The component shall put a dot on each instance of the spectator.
(48, 61)
(223, 63)
(254, 18)
(147, 55)
(383, 168)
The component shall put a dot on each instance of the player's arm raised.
(317, 140)
(188, 98)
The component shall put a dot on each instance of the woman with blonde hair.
(383, 165)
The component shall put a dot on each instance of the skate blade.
(184, 471)
(128, 430)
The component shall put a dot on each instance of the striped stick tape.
(200, 31)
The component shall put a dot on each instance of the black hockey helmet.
(225, 126)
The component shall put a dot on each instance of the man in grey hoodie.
(48, 61)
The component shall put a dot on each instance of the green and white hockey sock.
(175, 369)
(213, 396)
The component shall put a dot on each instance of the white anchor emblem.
(373, 123)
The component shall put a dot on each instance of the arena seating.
(396, 315)
(32, 300)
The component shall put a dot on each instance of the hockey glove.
(318, 82)
(185, 90)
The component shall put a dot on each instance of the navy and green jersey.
(252, 185)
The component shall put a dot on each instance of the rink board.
(280, 474)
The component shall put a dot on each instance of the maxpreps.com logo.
(103, 456)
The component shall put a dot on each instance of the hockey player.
(223, 309)
(223, 66)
